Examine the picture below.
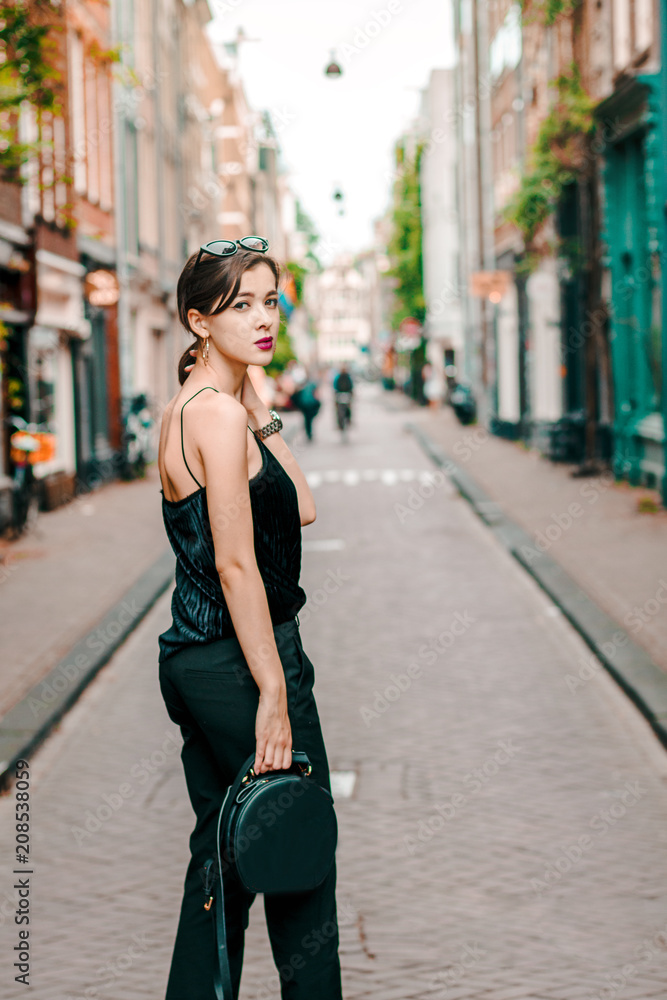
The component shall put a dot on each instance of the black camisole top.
(198, 607)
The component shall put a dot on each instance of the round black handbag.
(277, 833)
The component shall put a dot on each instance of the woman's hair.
(214, 277)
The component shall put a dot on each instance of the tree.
(28, 73)
(405, 243)
(405, 254)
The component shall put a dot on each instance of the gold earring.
(205, 351)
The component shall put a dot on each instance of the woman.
(233, 672)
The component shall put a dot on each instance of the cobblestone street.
(506, 834)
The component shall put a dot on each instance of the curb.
(25, 725)
(631, 667)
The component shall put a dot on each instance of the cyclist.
(343, 388)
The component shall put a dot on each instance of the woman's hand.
(193, 352)
(273, 733)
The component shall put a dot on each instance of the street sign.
(490, 285)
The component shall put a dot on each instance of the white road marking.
(352, 477)
(323, 544)
(342, 783)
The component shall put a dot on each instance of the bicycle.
(30, 443)
(137, 438)
(343, 412)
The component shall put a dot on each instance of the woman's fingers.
(193, 353)
(268, 758)
(272, 758)
(259, 754)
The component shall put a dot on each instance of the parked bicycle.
(29, 444)
(137, 438)
(463, 403)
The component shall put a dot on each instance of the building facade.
(339, 299)
(443, 327)
(149, 150)
(577, 333)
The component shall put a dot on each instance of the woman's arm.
(258, 416)
(219, 429)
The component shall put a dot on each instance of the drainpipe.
(469, 361)
(120, 35)
(523, 319)
(486, 252)
(159, 145)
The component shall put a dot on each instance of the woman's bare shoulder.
(200, 400)
(218, 402)
(213, 416)
(205, 412)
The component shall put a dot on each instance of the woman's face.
(247, 330)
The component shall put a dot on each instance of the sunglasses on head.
(225, 248)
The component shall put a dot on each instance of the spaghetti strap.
(182, 445)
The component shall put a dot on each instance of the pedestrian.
(233, 672)
(432, 386)
(306, 400)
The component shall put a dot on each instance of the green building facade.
(634, 193)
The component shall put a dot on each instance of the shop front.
(16, 312)
(96, 382)
(54, 342)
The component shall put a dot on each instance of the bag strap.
(222, 980)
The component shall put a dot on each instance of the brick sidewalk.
(505, 838)
(591, 526)
(59, 581)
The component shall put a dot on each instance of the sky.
(338, 133)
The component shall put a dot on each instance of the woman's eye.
(272, 301)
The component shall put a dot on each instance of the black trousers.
(211, 694)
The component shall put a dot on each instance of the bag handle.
(222, 979)
(299, 759)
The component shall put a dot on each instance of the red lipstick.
(265, 344)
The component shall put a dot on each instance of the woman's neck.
(223, 377)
